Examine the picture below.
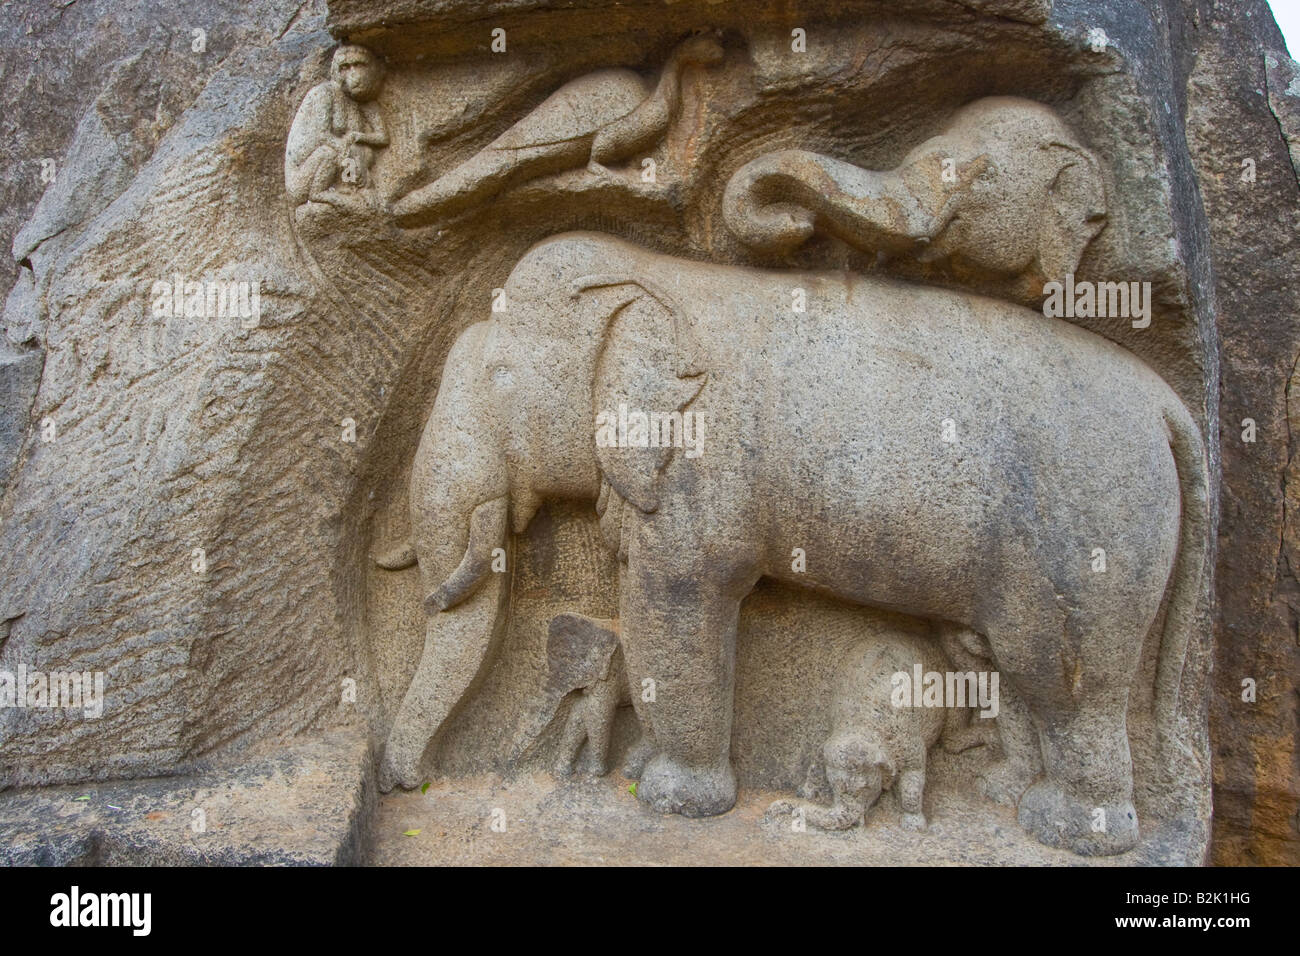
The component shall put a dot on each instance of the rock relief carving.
(603, 117)
(985, 540)
(1006, 189)
(584, 662)
(876, 743)
(984, 543)
(335, 134)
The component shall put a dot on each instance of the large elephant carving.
(932, 452)
(1006, 189)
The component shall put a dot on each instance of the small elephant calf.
(583, 658)
(585, 655)
(875, 744)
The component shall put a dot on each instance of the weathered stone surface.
(585, 822)
(310, 804)
(157, 415)
(224, 515)
(1241, 106)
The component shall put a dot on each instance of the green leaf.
(425, 787)
(632, 790)
(86, 797)
(411, 833)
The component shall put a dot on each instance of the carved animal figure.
(875, 743)
(599, 118)
(336, 131)
(583, 655)
(824, 432)
(1006, 189)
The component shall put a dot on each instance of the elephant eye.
(501, 377)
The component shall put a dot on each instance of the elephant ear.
(579, 650)
(1074, 211)
(648, 371)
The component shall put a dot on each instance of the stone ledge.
(599, 822)
(311, 805)
(417, 29)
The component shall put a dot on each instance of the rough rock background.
(159, 422)
(1243, 102)
(185, 434)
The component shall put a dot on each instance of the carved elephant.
(930, 452)
(1006, 189)
(875, 744)
(583, 658)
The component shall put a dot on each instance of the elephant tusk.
(487, 531)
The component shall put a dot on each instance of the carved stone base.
(601, 822)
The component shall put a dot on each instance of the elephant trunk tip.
(438, 600)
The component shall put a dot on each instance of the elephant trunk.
(775, 202)
(850, 807)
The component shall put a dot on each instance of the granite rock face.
(291, 273)
(1242, 132)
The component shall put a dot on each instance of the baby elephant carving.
(874, 744)
(584, 655)
(1006, 189)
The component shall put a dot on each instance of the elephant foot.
(670, 786)
(1059, 820)
(914, 822)
(397, 771)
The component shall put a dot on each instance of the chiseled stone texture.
(177, 434)
(309, 804)
(1243, 103)
(166, 429)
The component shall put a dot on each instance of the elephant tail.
(397, 558)
(1185, 589)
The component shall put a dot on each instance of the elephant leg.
(1084, 801)
(572, 738)
(1007, 781)
(679, 630)
(1077, 697)
(641, 753)
(1012, 728)
(602, 704)
(911, 793)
